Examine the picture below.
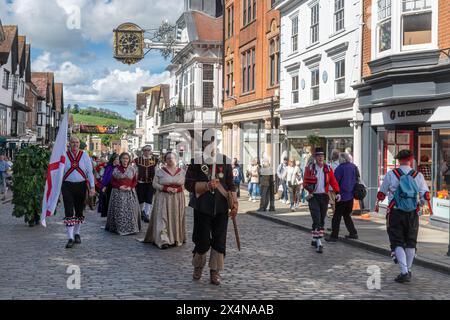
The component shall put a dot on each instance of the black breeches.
(210, 231)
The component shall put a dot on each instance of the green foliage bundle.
(29, 175)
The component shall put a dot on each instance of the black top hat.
(319, 152)
(404, 154)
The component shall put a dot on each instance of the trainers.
(77, 239)
(197, 275)
(402, 278)
(70, 244)
(215, 277)
(319, 249)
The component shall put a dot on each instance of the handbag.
(360, 190)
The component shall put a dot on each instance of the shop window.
(441, 174)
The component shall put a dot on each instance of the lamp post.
(272, 120)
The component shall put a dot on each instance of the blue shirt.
(4, 166)
(346, 177)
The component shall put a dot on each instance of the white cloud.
(67, 72)
(116, 86)
(51, 24)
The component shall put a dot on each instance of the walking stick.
(236, 233)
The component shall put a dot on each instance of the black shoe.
(402, 278)
(164, 247)
(319, 249)
(77, 239)
(272, 210)
(144, 217)
(70, 244)
(331, 239)
(352, 236)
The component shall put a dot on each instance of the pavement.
(432, 245)
(276, 262)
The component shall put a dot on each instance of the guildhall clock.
(129, 43)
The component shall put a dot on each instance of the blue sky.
(73, 38)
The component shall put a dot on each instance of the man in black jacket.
(214, 196)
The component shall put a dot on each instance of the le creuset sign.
(394, 114)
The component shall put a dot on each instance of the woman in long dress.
(168, 222)
(123, 209)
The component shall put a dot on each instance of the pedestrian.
(282, 177)
(266, 181)
(403, 187)
(146, 165)
(347, 175)
(123, 209)
(291, 177)
(298, 176)
(238, 176)
(4, 167)
(253, 188)
(318, 178)
(106, 186)
(78, 183)
(168, 221)
(334, 163)
(213, 200)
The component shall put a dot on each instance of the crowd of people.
(6, 167)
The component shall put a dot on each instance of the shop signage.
(411, 113)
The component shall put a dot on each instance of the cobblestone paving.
(276, 262)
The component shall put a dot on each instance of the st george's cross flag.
(55, 173)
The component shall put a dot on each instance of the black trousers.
(210, 231)
(105, 200)
(145, 192)
(343, 209)
(238, 189)
(318, 207)
(267, 197)
(403, 228)
(74, 197)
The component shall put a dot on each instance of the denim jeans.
(284, 195)
(253, 189)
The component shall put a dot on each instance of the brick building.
(404, 94)
(251, 79)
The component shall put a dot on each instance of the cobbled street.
(276, 262)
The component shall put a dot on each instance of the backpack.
(406, 195)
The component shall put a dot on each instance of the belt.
(141, 181)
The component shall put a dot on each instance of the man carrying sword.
(210, 179)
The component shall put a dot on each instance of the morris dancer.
(403, 186)
(318, 178)
(78, 177)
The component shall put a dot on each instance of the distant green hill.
(101, 121)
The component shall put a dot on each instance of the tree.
(29, 175)
(76, 109)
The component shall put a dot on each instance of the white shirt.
(320, 186)
(391, 182)
(85, 165)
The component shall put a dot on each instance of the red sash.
(75, 165)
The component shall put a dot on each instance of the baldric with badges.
(146, 168)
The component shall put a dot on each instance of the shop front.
(423, 128)
(301, 140)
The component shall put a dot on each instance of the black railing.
(172, 115)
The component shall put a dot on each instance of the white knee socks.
(70, 232)
(77, 229)
(410, 255)
(147, 209)
(401, 257)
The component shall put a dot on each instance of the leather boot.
(215, 277)
(199, 262)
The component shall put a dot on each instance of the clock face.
(128, 43)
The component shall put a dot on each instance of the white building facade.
(320, 61)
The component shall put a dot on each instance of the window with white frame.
(416, 22)
(192, 87)
(315, 23)
(185, 88)
(294, 34)
(340, 76)
(315, 84)
(208, 85)
(339, 14)
(384, 25)
(5, 83)
(3, 121)
(295, 94)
